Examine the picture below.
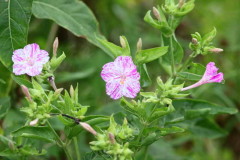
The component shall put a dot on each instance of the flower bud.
(88, 128)
(55, 47)
(111, 138)
(216, 50)
(194, 41)
(26, 92)
(122, 42)
(52, 82)
(34, 122)
(139, 44)
(156, 13)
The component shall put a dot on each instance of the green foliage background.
(125, 17)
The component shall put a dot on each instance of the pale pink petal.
(114, 90)
(34, 70)
(19, 56)
(31, 49)
(109, 72)
(19, 69)
(124, 64)
(42, 57)
(131, 88)
(134, 74)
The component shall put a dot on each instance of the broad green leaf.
(148, 55)
(66, 76)
(41, 133)
(21, 80)
(4, 106)
(192, 109)
(207, 128)
(177, 51)
(72, 15)
(15, 16)
(112, 48)
(5, 81)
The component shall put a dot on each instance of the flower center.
(122, 79)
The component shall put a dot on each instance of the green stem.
(60, 142)
(186, 63)
(172, 56)
(171, 18)
(76, 148)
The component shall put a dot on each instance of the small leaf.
(148, 55)
(41, 133)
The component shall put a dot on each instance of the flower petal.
(124, 64)
(211, 70)
(19, 56)
(109, 72)
(19, 69)
(34, 70)
(217, 78)
(30, 49)
(131, 88)
(42, 57)
(114, 90)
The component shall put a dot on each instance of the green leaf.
(5, 81)
(41, 133)
(145, 78)
(162, 26)
(189, 109)
(177, 51)
(4, 106)
(171, 130)
(66, 76)
(21, 80)
(72, 15)
(111, 48)
(148, 55)
(15, 16)
(207, 128)
(193, 72)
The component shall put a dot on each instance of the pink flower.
(210, 76)
(29, 60)
(121, 77)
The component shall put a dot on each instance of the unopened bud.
(194, 41)
(55, 47)
(52, 82)
(181, 3)
(88, 128)
(139, 44)
(34, 122)
(122, 42)
(216, 50)
(26, 92)
(156, 13)
(111, 138)
(71, 91)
